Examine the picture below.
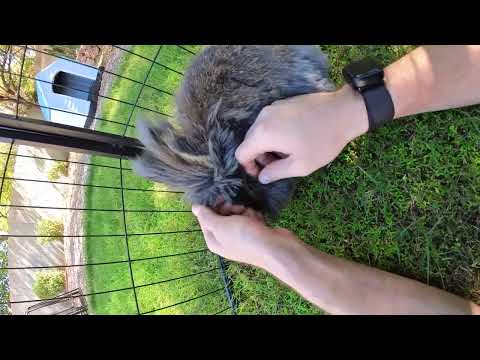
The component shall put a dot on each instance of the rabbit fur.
(222, 93)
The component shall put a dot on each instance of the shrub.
(65, 50)
(49, 284)
(59, 169)
(7, 185)
(50, 230)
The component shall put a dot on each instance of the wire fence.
(189, 280)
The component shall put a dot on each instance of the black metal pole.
(38, 132)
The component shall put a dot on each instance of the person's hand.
(307, 132)
(243, 236)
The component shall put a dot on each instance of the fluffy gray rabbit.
(223, 91)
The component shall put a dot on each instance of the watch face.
(364, 67)
(364, 73)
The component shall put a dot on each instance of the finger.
(259, 216)
(249, 150)
(211, 241)
(277, 170)
(251, 168)
(219, 202)
(225, 209)
(238, 209)
(280, 155)
(251, 213)
(230, 209)
(208, 219)
(265, 159)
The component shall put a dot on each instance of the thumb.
(277, 170)
(207, 218)
(246, 153)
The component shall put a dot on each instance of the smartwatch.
(367, 77)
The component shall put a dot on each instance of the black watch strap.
(379, 105)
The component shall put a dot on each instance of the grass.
(104, 249)
(404, 199)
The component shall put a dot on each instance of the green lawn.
(104, 249)
(404, 199)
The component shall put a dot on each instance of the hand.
(242, 237)
(309, 131)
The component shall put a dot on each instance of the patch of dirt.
(109, 57)
(73, 223)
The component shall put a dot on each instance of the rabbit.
(222, 93)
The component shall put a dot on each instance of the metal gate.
(112, 151)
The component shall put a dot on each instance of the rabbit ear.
(150, 134)
(166, 159)
(213, 121)
(222, 140)
(164, 141)
(162, 164)
(204, 168)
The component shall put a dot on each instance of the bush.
(69, 51)
(49, 284)
(7, 185)
(59, 169)
(50, 229)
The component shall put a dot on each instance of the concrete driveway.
(27, 251)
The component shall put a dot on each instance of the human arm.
(335, 285)
(311, 130)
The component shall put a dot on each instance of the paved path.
(22, 221)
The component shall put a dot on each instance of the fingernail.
(263, 179)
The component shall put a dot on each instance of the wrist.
(404, 89)
(354, 121)
(285, 254)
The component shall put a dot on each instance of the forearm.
(432, 78)
(339, 286)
